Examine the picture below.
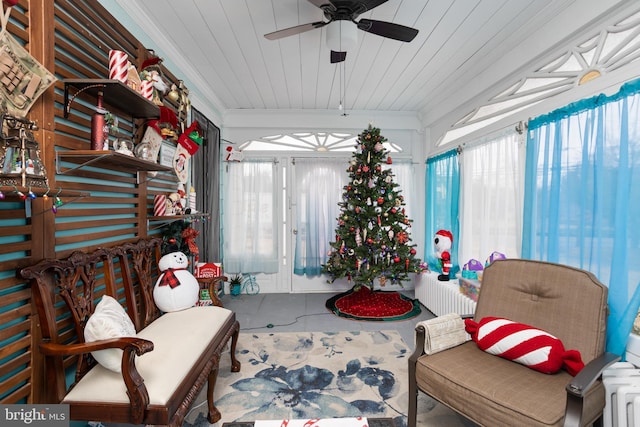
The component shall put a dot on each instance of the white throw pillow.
(109, 320)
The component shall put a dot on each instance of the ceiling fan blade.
(358, 7)
(324, 4)
(388, 29)
(292, 31)
(370, 4)
(338, 56)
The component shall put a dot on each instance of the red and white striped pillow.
(523, 344)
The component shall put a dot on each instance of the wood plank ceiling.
(464, 49)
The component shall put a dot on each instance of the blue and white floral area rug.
(318, 375)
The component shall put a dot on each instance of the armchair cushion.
(496, 392)
(524, 344)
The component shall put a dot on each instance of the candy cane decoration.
(146, 89)
(118, 65)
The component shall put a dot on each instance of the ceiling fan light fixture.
(342, 35)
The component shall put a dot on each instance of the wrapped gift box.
(469, 288)
(205, 298)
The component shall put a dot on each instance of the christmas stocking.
(188, 143)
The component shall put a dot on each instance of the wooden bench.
(164, 367)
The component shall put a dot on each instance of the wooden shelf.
(115, 94)
(108, 160)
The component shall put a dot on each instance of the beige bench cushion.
(498, 391)
(179, 338)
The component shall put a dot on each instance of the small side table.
(210, 283)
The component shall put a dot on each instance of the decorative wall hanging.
(20, 160)
(188, 143)
(22, 78)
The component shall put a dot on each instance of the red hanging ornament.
(389, 161)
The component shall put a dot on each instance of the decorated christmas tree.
(372, 237)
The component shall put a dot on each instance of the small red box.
(208, 269)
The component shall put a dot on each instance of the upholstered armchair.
(570, 304)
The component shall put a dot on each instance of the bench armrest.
(131, 347)
(139, 345)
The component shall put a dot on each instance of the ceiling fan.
(349, 10)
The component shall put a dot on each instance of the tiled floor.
(307, 312)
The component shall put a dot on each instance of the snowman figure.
(176, 289)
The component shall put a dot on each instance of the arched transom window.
(611, 48)
(308, 141)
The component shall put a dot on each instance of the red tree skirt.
(365, 304)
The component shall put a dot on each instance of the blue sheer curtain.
(581, 197)
(442, 204)
(318, 190)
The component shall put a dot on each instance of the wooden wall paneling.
(21, 242)
(101, 207)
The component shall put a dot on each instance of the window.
(250, 224)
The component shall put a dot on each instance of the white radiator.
(622, 395)
(442, 297)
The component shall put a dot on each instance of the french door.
(315, 187)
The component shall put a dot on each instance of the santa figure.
(442, 242)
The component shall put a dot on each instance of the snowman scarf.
(169, 278)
